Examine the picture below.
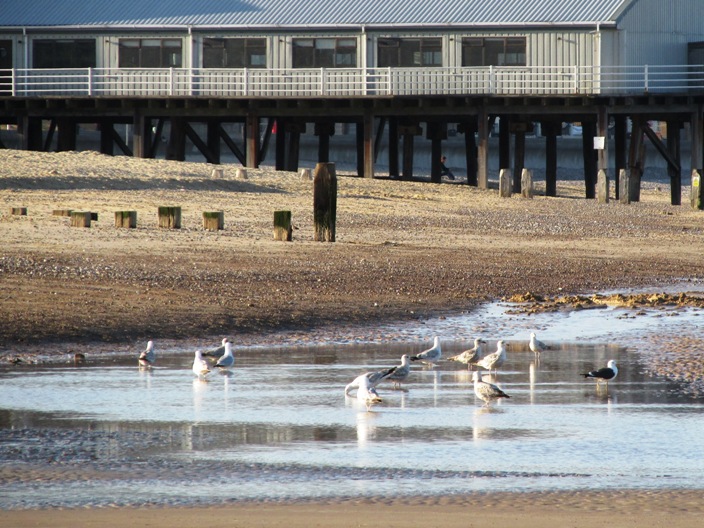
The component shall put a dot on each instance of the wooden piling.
(505, 183)
(217, 173)
(305, 174)
(213, 220)
(324, 202)
(602, 186)
(94, 217)
(623, 185)
(80, 218)
(527, 183)
(18, 211)
(282, 226)
(126, 219)
(241, 173)
(696, 190)
(62, 212)
(170, 217)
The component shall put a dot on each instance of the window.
(234, 53)
(324, 53)
(409, 52)
(494, 51)
(150, 53)
(64, 53)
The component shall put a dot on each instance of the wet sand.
(616, 509)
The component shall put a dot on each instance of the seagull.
(372, 379)
(494, 360)
(200, 365)
(148, 356)
(430, 356)
(367, 394)
(217, 351)
(468, 357)
(536, 345)
(486, 391)
(400, 372)
(227, 360)
(603, 374)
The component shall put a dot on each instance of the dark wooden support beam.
(519, 153)
(393, 148)
(696, 197)
(657, 143)
(66, 138)
(280, 133)
(49, 135)
(436, 132)
(590, 158)
(199, 143)
(212, 140)
(636, 155)
(323, 131)
(408, 133)
(141, 135)
(293, 133)
(550, 131)
(156, 138)
(119, 141)
(176, 148)
(504, 142)
(620, 148)
(379, 137)
(30, 132)
(368, 151)
(469, 129)
(483, 127)
(107, 145)
(252, 140)
(232, 145)
(359, 146)
(675, 173)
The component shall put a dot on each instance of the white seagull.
(468, 357)
(486, 391)
(494, 360)
(200, 365)
(148, 356)
(367, 394)
(371, 379)
(536, 345)
(227, 360)
(605, 374)
(399, 373)
(430, 356)
(217, 351)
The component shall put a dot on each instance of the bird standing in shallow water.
(471, 356)
(494, 360)
(430, 356)
(486, 391)
(200, 365)
(604, 375)
(148, 356)
(227, 360)
(368, 394)
(399, 373)
(536, 345)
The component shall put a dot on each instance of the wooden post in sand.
(126, 219)
(695, 198)
(526, 183)
(18, 211)
(282, 226)
(505, 183)
(602, 186)
(217, 173)
(170, 217)
(213, 220)
(305, 174)
(62, 212)
(241, 173)
(324, 202)
(80, 218)
(623, 185)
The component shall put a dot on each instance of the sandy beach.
(404, 251)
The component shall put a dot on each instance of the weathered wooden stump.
(94, 217)
(80, 218)
(696, 197)
(62, 212)
(505, 183)
(324, 202)
(623, 185)
(241, 173)
(170, 217)
(126, 219)
(18, 211)
(527, 183)
(217, 173)
(602, 186)
(305, 174)
(282, 226)
(213, 220)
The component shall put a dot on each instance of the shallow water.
(278, 426)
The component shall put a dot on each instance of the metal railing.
(351, 82)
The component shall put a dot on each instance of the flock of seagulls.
(365, 384)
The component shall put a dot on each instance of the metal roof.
(305, 13)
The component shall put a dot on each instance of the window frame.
(325, 52)
(52, 53)
(412, 52)
(233, 56)
(512, 51)
(146, 52)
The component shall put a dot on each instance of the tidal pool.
(278, 426)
